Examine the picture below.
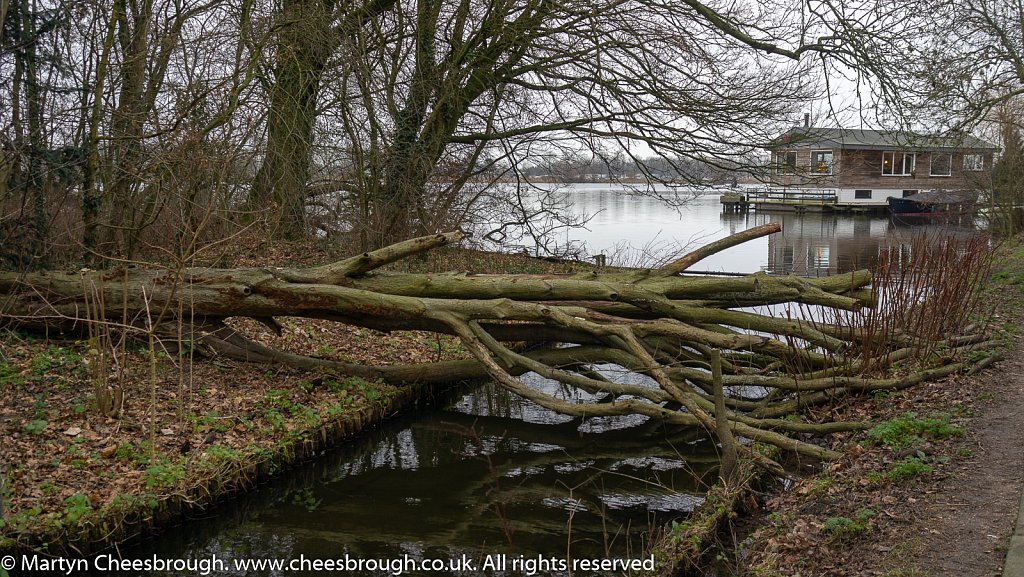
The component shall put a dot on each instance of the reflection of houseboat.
(934, 202)
(842, 169)
(823, 244)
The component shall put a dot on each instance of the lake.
(633, 229)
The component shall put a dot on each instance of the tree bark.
(306, 41)
(702, 360)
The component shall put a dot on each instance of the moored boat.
(934, 202)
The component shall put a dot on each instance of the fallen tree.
(683, 332)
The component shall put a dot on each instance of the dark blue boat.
(934, 202)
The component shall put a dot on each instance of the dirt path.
(955, 519)
(965, 520)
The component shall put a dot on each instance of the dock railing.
(792, 196)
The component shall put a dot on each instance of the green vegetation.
(124, 452)
(444, 345)
(21, 520)
(163, 474)
(9, 375)
(909, 429)
(1008, 277)
(75, 507)
(35, 426)
(307, 499)
(843, 528)
(902, 470)
(210, 421)
(907, 468)
(820, 486)
(55, 359)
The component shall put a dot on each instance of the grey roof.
(876, 140)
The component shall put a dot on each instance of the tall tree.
(308, 34)
(306, 38)
(1008, 171)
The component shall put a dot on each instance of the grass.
(9, 376)
(1006, 277)
(900, 471)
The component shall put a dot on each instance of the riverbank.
(105, 440)
(933, 489)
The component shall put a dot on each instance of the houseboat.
(845, 169)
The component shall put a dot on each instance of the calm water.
(490, 474)
(630, 229)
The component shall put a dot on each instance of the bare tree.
(417, 99)
(102, 101)
(961, 59)
(401, 117)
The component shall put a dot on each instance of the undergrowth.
(910, 429)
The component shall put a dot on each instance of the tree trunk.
(666, 326)
(306, 41)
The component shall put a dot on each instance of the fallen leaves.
(57, 445)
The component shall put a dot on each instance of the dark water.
(490, 474)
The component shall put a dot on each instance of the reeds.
(927, 295)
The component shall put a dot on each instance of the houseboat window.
(862, 194)
(974, 162)
(898, 163)
(942, 164)
(907, 193)
(786, 162)
(821, 162)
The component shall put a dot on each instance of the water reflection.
(491, 473)
(822, 244)
(810, 244)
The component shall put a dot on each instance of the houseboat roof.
(849, 138)
(945, 197)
